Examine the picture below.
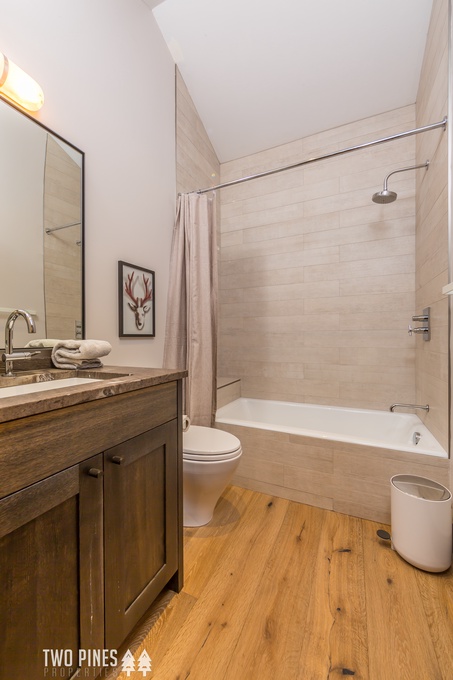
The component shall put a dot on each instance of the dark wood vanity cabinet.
(86, 550)
(141, 526)
(51, 594)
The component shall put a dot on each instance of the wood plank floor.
(276, 590)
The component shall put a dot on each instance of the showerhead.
(386, 196)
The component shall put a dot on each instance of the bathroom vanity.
(90, 514)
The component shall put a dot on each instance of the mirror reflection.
(41, 227)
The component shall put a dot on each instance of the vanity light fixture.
(17, 86)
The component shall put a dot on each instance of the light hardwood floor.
(276, 590)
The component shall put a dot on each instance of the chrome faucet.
(10, 356)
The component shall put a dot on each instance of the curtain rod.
(64, 226)
(365, 145)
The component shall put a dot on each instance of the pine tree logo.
(128, 663)
(144, 663)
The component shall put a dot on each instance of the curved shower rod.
(365, 145)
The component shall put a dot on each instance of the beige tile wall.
(62, 255)
(432, 227)
(317, 282)
(228, 389)
(197, 165)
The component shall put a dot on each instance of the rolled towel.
(80, 353)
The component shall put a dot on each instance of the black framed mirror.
(41, 229)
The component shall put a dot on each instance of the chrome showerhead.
(386, 196)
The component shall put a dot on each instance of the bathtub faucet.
(423, 408)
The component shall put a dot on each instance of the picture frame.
(136, 301)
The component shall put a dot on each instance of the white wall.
(108, 81)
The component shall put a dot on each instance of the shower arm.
(412, 167)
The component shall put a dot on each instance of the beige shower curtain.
(191, 330)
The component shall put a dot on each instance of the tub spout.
(423, 408)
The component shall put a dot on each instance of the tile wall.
(432, 228)
(197, 165)
(317, 282)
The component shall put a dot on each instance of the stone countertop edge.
(131, 379)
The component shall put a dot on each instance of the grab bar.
(423, 408)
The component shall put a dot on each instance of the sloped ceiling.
(264, 73)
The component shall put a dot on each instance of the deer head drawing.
(138, 304)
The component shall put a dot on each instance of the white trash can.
(421, 522)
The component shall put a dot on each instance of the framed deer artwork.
(136, 301)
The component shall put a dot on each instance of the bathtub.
(340, 459)
(385, 429)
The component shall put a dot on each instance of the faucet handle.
(419, 329)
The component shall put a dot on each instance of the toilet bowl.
(210, 458)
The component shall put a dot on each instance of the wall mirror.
(41, 228)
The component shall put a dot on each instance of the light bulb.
(16, 85)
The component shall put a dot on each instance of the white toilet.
(210, 458)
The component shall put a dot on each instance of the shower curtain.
(191, 329)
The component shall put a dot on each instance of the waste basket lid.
(420, 487)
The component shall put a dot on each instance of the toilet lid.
(211, 458)
(207, 441)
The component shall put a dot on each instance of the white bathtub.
(382, 429)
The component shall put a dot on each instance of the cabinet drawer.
(38, 446)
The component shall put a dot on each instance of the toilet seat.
(209, 458)
(208, 444)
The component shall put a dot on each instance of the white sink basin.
(17, 390)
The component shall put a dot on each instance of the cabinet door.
(50, 572)
(141, 526)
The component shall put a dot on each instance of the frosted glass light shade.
(17, 86)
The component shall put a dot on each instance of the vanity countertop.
(114, 380)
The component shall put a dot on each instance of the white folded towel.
(80, 353)
(45, 342)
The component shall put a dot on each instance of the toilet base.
(203, 485)
(194, 518)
